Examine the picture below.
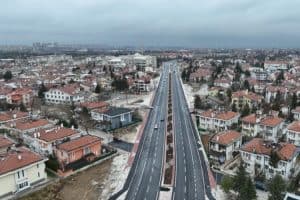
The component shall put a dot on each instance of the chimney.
(72, 127)
(62, 125)
(14, 116)
(19, 157)
(217, 138)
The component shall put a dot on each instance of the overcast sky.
(190, 23)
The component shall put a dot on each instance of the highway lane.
(144, 178)
(191, 179)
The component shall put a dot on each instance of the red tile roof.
(94, 105)
(5, 142)
(10, 161)
(56, 134)
(78, 143)
(257, 145)
(271, 121)
(25, 125)
(223, 115)
(6, 116)
(251, 119)
(226, 137)
(294, 126)
(245, 94)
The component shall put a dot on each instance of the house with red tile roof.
(19, 96)
(20, 169)
(296, 113)
(200, 74)
(44, 141)
(243, 97)
(217, 120)
(86, 147)
(256, 154)
(222, 145)
(272, 91)
(293, 133)
(67, 94)
(268, 126)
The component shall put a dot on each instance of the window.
(18, 174)
(122, 119)
(258, 157)
(37, 166)
(23, 185)
(39, 174)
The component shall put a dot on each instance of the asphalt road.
(143, 181)
(145, 176)
(191, 177)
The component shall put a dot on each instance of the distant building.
(256, 156)
(296, 113)
(19, 170)
(223, 145)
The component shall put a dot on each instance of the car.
(162, 119)
(162, 188)
(155, 126)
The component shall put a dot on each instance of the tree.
(276, 188)
(246, 85)
(294, 101)
(42, 90)
(239, 179)
(71, 81)
(227, 183)
(280, 77)
(7, 75)
(23, 108)
(233, 108)
(246, 110)
(120, 84)
(247, 73)
(248, 191)
(229, 94)
(274, 159)
(197, 102)
(98, 88)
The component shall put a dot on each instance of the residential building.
(217, 120)
(268, 126)
(67, 94)
(296, 113)
(272, 91)
(20, 169)
(256, 156)
(293, 133)
(44, 141)
(243, 97)
(222, 145)
(223, 82)
(20, 96)
(99, 105)
(28, 126)
(86, 147)
(112, 118)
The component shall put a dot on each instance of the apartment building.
(256, 156)
(222, 145)
(217, 120)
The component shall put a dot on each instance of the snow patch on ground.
(189, 95)
(117, 175)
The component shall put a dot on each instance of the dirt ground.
(86, 185)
